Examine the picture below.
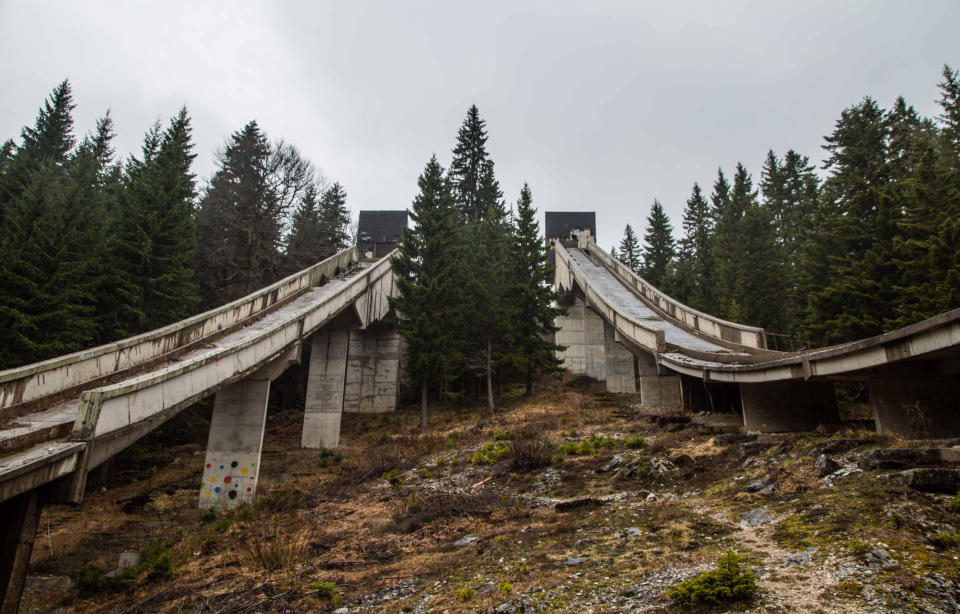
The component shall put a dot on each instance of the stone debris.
(661, 466)
(628, 532)
(764, 485)
(755, 518)
(466, 540)
(800, 558)
(840, 446)
(752, 448)
(577, 504)
(880, 558)
(729, 439)
(574, 560)
(825, 466)
(907, 458)
(547, 481)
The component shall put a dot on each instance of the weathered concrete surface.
(326, 381)
(788, 406)
(657, 391)
(23, 385)
(232, 463)
(581, 331)
(18, 526)
(905, 458)
(373, 371)
(618, 364)
(922, 407)
(933, 480)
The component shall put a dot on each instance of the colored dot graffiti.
(225, 480)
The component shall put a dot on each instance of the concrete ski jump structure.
(692, 360)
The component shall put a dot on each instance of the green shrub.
(584, 448)
(635, 443)
(946, 540)
(602, 443)
(730, 582)
(393, 478)
(466, 593)
(490, 452)
(955, 503)
(326, 591)
(502, 435)
(505, 587)
(859, 547)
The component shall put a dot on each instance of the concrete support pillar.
(618, 363)
(325, 388)
(788, 406)
(920, 406)
(232, 464)
(373, 371)
(582, 332)
(660, 391)
(19, 517)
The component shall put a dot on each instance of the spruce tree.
(534, 298)
(728, 236)
(630, 250)
(694, 260)
(659, 248)
(318, 227)
(334, 218)
(157, 237)
(473, 184)
(429, 305)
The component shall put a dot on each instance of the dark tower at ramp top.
(379, 232)
(559, 224)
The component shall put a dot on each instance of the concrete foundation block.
(321, 430)
(788, 406)
(917, 407)
(232, 464)
(661, 391)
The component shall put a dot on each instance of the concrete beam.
(326, 381)
(920, 406)
(788, 406)
(373, 371)
(18, 526)
(232, 464)
(618, 363)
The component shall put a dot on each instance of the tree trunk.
(489, 376)
(423, 402)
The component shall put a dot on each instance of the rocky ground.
(569, 501)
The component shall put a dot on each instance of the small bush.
(502, 435)
(393, 478)
(635, 443)
(955, 503)
(531, 452)
(274, 545)
(859, 547)
(584, 448)
(520, 569)
(730, 582)
(490, 452)
(945, 540)
(326, 591)
(279, 501)
(505, 587)
(426, 505)
(466, 593)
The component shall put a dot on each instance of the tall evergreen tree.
(243, 214)
(694, 260)
(318, 228)
(335, 218)
(659, 248)
(473, 185)
(629, 253)
(156, 231)
(533, 295)
(428, 301)
(728, 236)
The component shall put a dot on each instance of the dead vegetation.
(397, 519)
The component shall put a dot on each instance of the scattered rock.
(466, 540)
(755, 518)
(628, 532)
(728, 439)
(341, 611)
(547, 481)
(825, 466)
(675, 427)
(752, 448)
(574, 560)
(840, 446)
(576, 504)
(933, 480)
(764, 486)
(800, 558)
(878, 557)
(661, 466)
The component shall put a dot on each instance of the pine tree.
(51, 248)
(473, 185)
(694, 260)
(243, 214)
(157, 237)
(318, 227)
(630, 250)
(728, 236)
(659, 248)
(335, 218)
(428, 303)
(534, 298)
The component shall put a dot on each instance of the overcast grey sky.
(598, 105)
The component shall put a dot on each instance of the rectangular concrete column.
(924, 407)
(581, 330)
(18, 526)
(788, 406)
(373, 371)
(326, 380)
(657, 391)
(232, 464)
(618, 363)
